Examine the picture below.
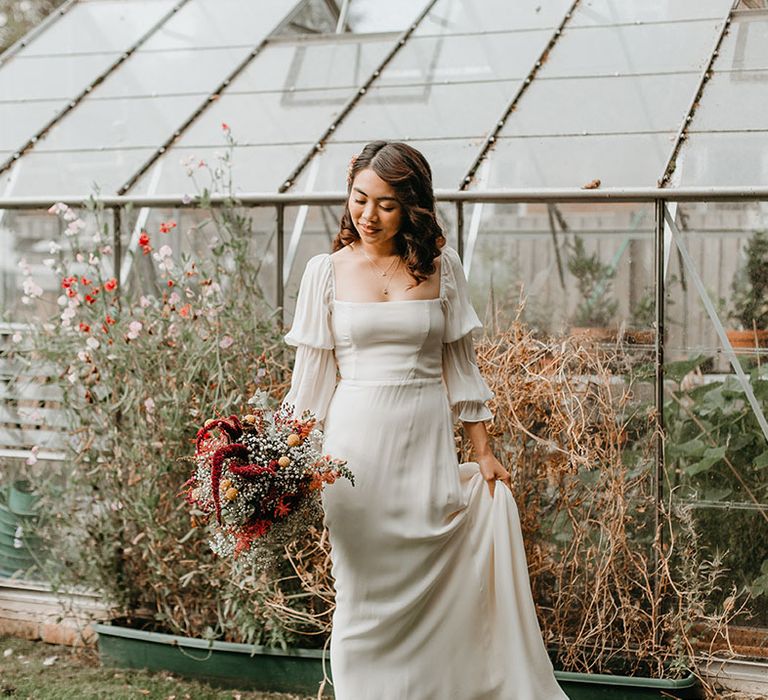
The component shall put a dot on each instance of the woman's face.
(375, 210)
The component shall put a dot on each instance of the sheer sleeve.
(467, 390)
(313, 379)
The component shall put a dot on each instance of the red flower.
(225, 126)
(185, 310)
(282, 509)
(84, 327)
(71, 292)
(88, 298)
(167, 226)
(170, 283)
(217, 465)
(111, 284)
(67, 282)
(110, 320)
(144, 238)
(85, 280)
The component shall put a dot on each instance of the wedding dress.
(433, 599)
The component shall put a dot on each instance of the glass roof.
(607, 102)
(728, 135)
(617, 128)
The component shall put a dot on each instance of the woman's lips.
(367, 229)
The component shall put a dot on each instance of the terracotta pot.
(598, 334)
(639, 337)
(748, 339)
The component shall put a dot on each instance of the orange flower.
(111, 284)
(185, 310)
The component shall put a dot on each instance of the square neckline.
(439, 296)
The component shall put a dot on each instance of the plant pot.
(644, 336)
(596, 686)
(597, 334)
(227, 664)
(748, 339)
(21, 500)
(301, 670)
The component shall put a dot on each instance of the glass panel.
(577, 265)
(430, 111)
(254, 169)
(312, 65)
(610, 12)
(603, 105)
(60, 77)
(625, 160)
(632, 48)
(465, 58)
(716, 450)
(745, 46)
(121, 122)
(269, 117)
(22, 120)
(376, 16)
(88, 27)
(219, 23)
(448, 158)
(55, 174)
(30, 235)
(463, 17)
(747, 89)
(150, 73)
(735, 159)
(194, 236)
(717, 237)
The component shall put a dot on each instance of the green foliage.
(750, 285)
(141, 370)
(717, 456)
(595, 282)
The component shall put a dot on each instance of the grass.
(41, 671)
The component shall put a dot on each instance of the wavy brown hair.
(407, 171)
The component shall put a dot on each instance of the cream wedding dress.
(433, 600)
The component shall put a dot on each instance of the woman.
(433, 600)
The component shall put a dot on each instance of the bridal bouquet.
(257, 480)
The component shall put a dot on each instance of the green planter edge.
(271, 669)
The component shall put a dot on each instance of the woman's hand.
(492, 470)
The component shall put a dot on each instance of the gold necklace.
(397, 260)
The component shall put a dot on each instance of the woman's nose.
(369, 212)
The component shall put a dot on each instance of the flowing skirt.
(433, 599)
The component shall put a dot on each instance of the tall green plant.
(595, 283)
(750, 285)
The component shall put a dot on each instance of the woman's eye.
(359, 201)
(388, 209)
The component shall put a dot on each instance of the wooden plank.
(42, 455)
(16, 367)
(30, 391)
(30, 415)
(15, 437)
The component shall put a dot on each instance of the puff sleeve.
(313, 379)
(467, 390)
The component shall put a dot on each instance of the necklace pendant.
(386, 292)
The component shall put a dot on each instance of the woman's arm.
(490, 467)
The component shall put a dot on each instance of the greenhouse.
(601, 167)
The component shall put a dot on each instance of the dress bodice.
(388, 340)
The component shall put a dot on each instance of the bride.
(433, 600)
